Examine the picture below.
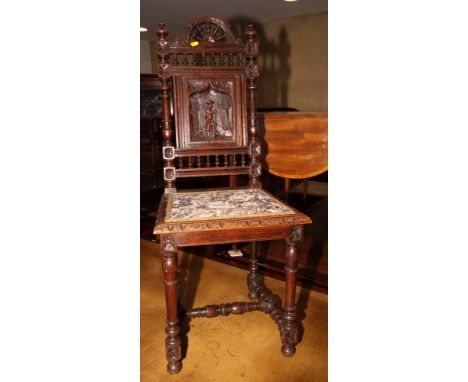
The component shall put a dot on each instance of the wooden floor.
(233, 348)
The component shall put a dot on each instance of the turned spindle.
(210, 311)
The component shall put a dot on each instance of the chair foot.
(252, 295)
(173, 352)
(174, 368)
(288, 350)
(289, 337)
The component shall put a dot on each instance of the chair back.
(208, 86)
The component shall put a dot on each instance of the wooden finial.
(251, 33)
(162, 31)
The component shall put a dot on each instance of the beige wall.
(294, 63)
(145, 57)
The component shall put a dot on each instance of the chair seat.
(230, 208)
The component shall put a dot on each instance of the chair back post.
(164, 73)
(251, 74)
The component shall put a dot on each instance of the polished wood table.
(296, 146)
(297, 149)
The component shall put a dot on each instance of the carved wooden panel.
(210, 104)
(209, 112)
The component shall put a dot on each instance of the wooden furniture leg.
(170, 272)
(253, 269)
(289, 327)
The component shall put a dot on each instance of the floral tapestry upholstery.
(225, 204)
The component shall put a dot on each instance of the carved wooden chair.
(212, 77)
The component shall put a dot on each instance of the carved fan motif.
(208, 32)
(209, 29)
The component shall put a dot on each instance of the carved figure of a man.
(210, 118)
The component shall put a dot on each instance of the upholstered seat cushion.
(209, 210)
(223, 204)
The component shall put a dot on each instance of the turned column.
(289, 327)
(164, 74)
(170, 272)
(251, 74)
(253, 272)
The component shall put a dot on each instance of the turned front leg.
(170, 271)
(289, 327)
